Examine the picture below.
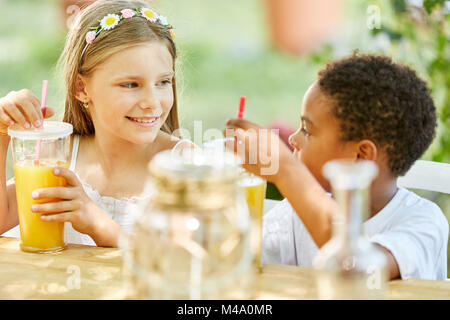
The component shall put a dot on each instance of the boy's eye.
(129, 85)
(305, 132)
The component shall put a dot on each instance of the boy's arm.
(8, 205)
(392, 266)
(295, 182)
(307, 197)
(289, 185)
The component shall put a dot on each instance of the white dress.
(122, 211)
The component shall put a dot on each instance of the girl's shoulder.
(75, 145)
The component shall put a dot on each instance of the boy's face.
(317, 140)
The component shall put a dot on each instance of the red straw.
(241, 107)
(43, 110)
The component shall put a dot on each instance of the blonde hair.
(127, 33)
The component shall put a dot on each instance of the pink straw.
(241, 107)
(43, 110)
(44, 97)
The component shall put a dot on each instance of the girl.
(121, 100)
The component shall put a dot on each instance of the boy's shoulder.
(415, 231)
(412, 203)
(407, 209)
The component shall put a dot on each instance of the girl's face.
(131, 93)
(317, 140)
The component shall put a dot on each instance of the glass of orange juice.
(254, 189)
(35, 153)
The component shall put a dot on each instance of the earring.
(86, 105)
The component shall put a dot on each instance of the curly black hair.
(385, 102)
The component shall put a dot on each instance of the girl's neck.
(117, 155)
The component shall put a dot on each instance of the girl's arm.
(8, 204)
(106, 233)
(76, 207)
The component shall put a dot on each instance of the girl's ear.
(80, 89)
(367, 150)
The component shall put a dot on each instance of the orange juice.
(255, 192)
(37, 235)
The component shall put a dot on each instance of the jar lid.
(194, 164)
(49, 130)
(194, 178)
(350, 174)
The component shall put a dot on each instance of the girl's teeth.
(143, 121)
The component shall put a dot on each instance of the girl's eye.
(166, 82)
(129, 85)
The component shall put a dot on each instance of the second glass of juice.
(35, 153)
(254, 189)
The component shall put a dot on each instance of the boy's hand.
(75, 205)
(23, 108)
(260, 149)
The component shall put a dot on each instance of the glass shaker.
(191, 239)
(349, 265)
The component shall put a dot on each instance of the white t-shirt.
(412, 228)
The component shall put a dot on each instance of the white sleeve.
(277, 237)
(418, 243)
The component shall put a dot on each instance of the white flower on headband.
(109, 21)
(163, 21)
(149, 14)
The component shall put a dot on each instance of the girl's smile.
(145, 122)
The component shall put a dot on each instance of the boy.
(361, 107)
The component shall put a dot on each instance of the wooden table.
(51, 276)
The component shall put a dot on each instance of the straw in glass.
(43, 109)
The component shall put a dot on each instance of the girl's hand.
(75, 206)
(261, 150)
(23, 108)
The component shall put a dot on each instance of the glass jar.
(349, 265)
(191, 239)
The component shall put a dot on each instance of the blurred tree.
(425, 27)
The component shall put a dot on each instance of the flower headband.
(110, 21)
